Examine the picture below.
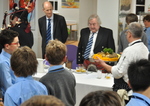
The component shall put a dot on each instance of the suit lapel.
(45, 25)
(87, 37)
(99, 37)
(54, 24)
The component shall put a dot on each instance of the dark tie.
(88, 47)
(48, 32)
(145, 29)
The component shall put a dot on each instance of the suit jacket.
(123, 42)
(104, 40)
(59, 30)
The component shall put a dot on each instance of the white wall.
(37, 37)
(87, 7)
(68, 13)
(108, 13)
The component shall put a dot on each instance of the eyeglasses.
(17, 43)
(94, 24)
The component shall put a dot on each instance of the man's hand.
(98, 60)
(103, 64)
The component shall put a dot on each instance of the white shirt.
(52, 22)
(93, 44)
(133, 52)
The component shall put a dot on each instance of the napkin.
(124, 95)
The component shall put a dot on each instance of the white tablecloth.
(87, 82)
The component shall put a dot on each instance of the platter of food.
(107, 55)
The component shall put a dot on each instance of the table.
(70, 27)
(87, 82)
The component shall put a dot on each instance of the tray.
(92, 60)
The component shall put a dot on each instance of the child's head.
(43, 100)
(24, 62)
(139, 75)
(101, 98)
(55, 52)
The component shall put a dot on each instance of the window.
(140, 6)
(54, 4)
(140, 2)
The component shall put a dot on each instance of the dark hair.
(147, 18)
(43, 100)
(131, 18)
(101, 98)
(7, 36)
(55, 52)
(139, 75)
(24, 62)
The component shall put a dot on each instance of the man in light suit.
(103, 38)
(58, 25)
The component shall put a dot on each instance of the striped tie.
(48, 32)
(88, 47)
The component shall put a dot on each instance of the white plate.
(87, 72)
(79, 72)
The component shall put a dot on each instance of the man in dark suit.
(102, 38)
(58, 26)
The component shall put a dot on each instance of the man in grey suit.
(123, 42)
(102, 38)
(58, 26)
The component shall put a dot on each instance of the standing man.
(146, 21)
(123, 42)
(102, 38)
(9, 42)
(135, 51)
(51, 26)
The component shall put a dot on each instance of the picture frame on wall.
(70, 4)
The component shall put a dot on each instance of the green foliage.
(68, 31)
(108, 50)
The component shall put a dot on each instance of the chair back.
(74, 64)
(71, 52)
